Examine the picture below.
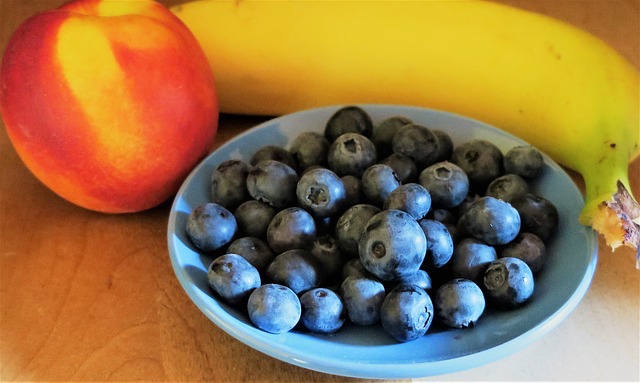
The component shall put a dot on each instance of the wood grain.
(92, 297)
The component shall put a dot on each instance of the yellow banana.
(556, 86)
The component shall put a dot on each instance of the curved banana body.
(557, 87)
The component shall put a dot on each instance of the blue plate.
(368, 352)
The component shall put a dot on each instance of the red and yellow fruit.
(109, 103)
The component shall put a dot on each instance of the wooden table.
(89, 296)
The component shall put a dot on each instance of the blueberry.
(321, 192)
(446, 182)
(348, 119)
(310, 149)
(351, 154)
(538, 215)
(406, 313)
(443, 216)
(378, 181)
(211, 226)
(392, 245)
(362, 298)
(529, 248)
(491, 221)
(459, 303)
(350, 227)
(297, 269)
(403, 166)
(439, 244)
(275, 153)
(411, 198)
(417, 142)
(507, 187)
(382, 133)
(525, 161)
(353, 190)
(420, 278)
(445, 145)
(273, 183)
(508, 282)
(325, 249)
(256, 251)
(229, 184)
(481, 160)
(322, 311)
(471, 258)
(353, 268)
(274, 308)
(291, 228)
(233, 277)
(253, 218)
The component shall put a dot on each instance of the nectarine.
(109, 103)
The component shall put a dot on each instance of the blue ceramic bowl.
(368, 352)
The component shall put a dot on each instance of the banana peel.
(554, 85)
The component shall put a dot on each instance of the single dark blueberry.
(353, 268)
(351, 154)
(378, 181)
(321, 192)
(275, 153)
(274, 308)
(229, 184)
(491, 221)
(439, 244)
(406, 313)
(233, 277)
(322, 311)
(253, 218)
(529, 248)
(445, 145)
(403, 166)
(348, 119)
(392, 245)
(508, 187)
(481, 160)
(471, 258)
(310, 149)
(459, 303)
(383, 133)
(273, 183)
(297, 269)
(538, 215)
(443, 215)
(291, 228)
(417, 142)
(362, 298)
(210, 227)
(525, 161)
(325, 249)
(350, 227)
(353, 190)
(411, 198)
(447, 184)
(508, 282)
(256, 251)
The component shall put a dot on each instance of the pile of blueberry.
(369, 223)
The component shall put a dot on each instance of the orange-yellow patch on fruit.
(96, 79)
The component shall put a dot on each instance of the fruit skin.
(116, 137)
(274, 308)
(559, 88)
(406, 313)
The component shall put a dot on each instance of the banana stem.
(615, 215)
